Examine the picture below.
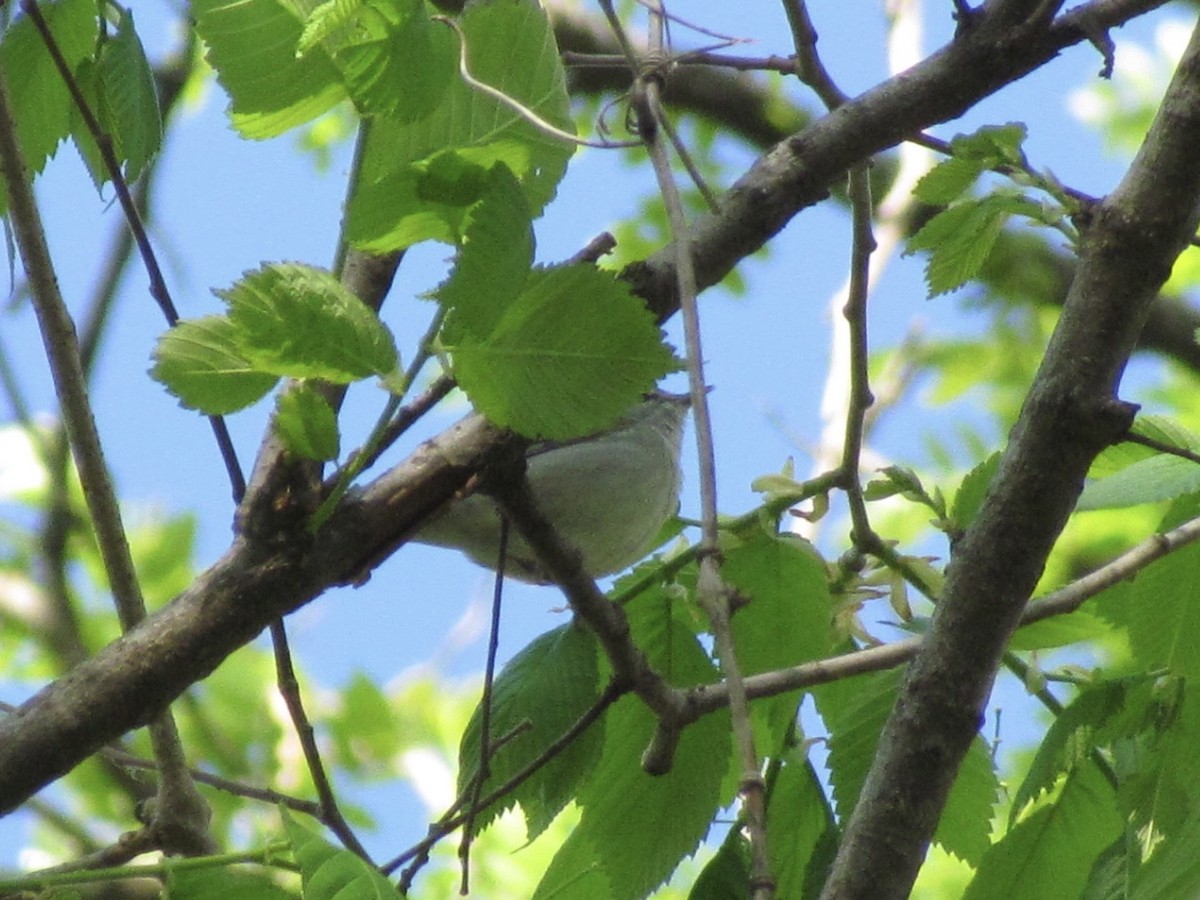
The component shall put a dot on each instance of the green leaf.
(428, 199)
(960, 237)
(329, 873)
(307, 424)
(1059, 631)
(455, 178)
(1161, 778)
(727, 875)
(393, 60)
(802, 835)
(1166, 431)
(1160, 612)
(548, 686)
(572, 352)
(40, 103)
(130, 109)
(969, 496)
(299, 322)
(992, 144)
(1068, 742)
(905, 482)
(335, 21)
(366, 731)
(1049, 854)
(787, 620)
(199, 361)
(1160, 477)
(635, 828)
(1159, 428)
(493, 262)
(1173, 871)
(966, 819)
(252, 46)
(1109, 877)
(855, 711)
(948, 180)
(388, 212)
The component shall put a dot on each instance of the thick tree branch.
(748, 107)
(255, 582)
(1070, 415)
(797, 172)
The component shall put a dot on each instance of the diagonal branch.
(798, 172)
(1070, 415)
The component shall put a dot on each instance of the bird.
(607, 494)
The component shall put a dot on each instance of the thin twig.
(349, 266)
(714, 596)
(689, 165)
(863, 245)
(485, 710)
(547, 128)
(785, 65)
(710, 698)
(61, 626)
(130, 845)
(612, 693)
(397, 425)
(274, 855)
(391, 423)
(1162, 446)
(289, 688)
(809, 67)
(158, 285)
(229, 786)
(656, 8)
(182, 815)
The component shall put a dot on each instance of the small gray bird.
(607, 494)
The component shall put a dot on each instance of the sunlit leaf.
(40, 105)
(330, 873)
(388, 212)
(1049, 854)
(298, 321)
(200, 362)
(637, 827)
(960, 237)
(573, 351)
(252, 46)
(307, 424)
(543, 691)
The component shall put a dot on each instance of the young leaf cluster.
(960, 237)
(550, 352)
(109, 67)
(284, 321)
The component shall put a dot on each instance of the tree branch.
(1070, 415)
(255, 582)
(798, 172)
(181, 816)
